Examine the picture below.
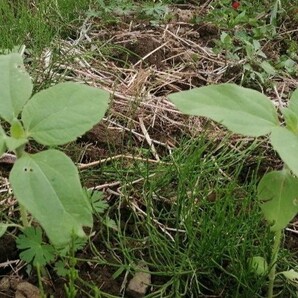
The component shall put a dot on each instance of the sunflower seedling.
(47, 184)
(250, 113)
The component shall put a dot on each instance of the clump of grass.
(194, 222)
(36, 24)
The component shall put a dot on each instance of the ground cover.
(178, 193)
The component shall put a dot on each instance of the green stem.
(23, 212)
(42, 294)
(272, 273)
(24, 216)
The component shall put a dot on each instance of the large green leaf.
(285, 143)
(278, 194)
(60, 114)
(241, 110)
(47, 184)
(15, 86)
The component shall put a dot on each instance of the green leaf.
(278, 195)
(60, 269)
(16, 129)
(13, 143)
(2, 141)
(293, 104)
(33, 249)
(291, 113)
(291, 275)
(47, 184)
(3, 228)
(291, 120)
(269, 69)
(285, 143)
(110, 223)
(97, 202)
(15, 86)
(62, 113)
(241, 110)
(258, 265)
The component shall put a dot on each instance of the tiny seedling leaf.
(60, 114)
(110, 223)
(97, 202)
(60, 269)
(241, 110)
(258, 265)
(15, 85)
(16, 129)
(33, 249)
(278, 195)
(285, 143)
(3, 228)
(47, 184)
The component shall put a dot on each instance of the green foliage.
(277, 192)
(33, 249)
(37, 23)
(228, 104)
(259, 265)
(112, 11)
(67, 115)
(47, 183)
(98, 204)
(248, 112)
(15, 85)
(3, 228)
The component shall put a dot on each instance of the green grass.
(37, 24)
(195, 245)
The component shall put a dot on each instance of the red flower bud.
(235, 4)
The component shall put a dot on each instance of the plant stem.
(40, 281)
(272, 273)
(24, 216)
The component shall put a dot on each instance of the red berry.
(235, 4)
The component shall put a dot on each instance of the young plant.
(250, 113)
(47, 184)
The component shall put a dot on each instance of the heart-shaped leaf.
(241, 110)
(62, 113)
(278, 195)
(47, 184)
